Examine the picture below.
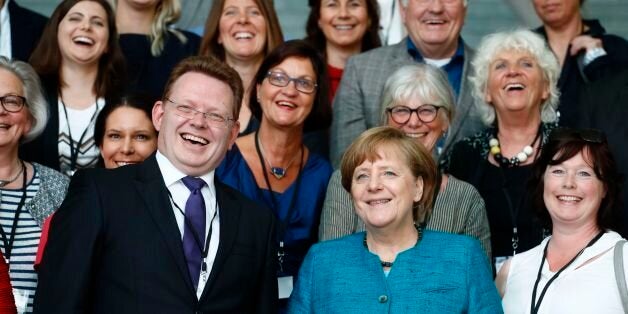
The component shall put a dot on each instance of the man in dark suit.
(143, 239)
(19, 39)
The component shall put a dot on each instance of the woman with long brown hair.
(80, 61)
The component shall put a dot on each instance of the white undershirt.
(180, 193)
(437, 62)
(5, 31)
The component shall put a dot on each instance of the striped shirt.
(77, 132)
(27, 234)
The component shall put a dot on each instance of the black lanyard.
(74, 152)
(10, 240)
(283, 223)
(196, 234)
(534, 307)
(514, 210)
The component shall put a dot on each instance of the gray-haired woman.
(29, 192)
(515, 79)
(418, 100)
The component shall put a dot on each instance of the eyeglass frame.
(269, 74)
(13, 95)
(415, 110)
(207, 116)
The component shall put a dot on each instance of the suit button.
(383, 298)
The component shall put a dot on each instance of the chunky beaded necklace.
(517, 159)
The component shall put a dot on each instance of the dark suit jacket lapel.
(151, 187)
(230, 211)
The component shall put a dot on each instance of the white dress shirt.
(5, 31)
(180, 193)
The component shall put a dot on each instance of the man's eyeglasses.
(282, 80)
(12, 103)
(587, 135)
(401, 114)
(188, 112)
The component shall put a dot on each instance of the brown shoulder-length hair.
(209, 43)
(416, 157)
(320, 116)
(316, 37)
(46, 58)
(565, 143)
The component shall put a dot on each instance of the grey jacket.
(357, 103)
(52, 189)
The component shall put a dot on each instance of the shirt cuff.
(593, 54)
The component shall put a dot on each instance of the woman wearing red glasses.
(273, 165)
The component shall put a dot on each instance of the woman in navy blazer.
(395, 266)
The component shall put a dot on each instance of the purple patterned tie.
(195, 215)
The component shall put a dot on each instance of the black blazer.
(26, 29)
(114, 247)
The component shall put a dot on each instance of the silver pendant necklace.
(4, 183)
(277, 172)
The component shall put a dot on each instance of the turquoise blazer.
(444, 273)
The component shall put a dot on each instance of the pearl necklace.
(516, 160)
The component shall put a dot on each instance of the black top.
(26, 29)
(603, 105)
(468, 161)
(493, 185)
(574, 75)
(148, 74)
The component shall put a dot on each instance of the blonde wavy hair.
(167, 13)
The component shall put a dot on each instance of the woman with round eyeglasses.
(272, 165)
(29, 192)
(419, 101)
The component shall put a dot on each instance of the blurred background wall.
(483, 16)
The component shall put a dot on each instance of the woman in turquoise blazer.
(395, 266)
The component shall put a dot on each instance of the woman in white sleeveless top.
(576, 186)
